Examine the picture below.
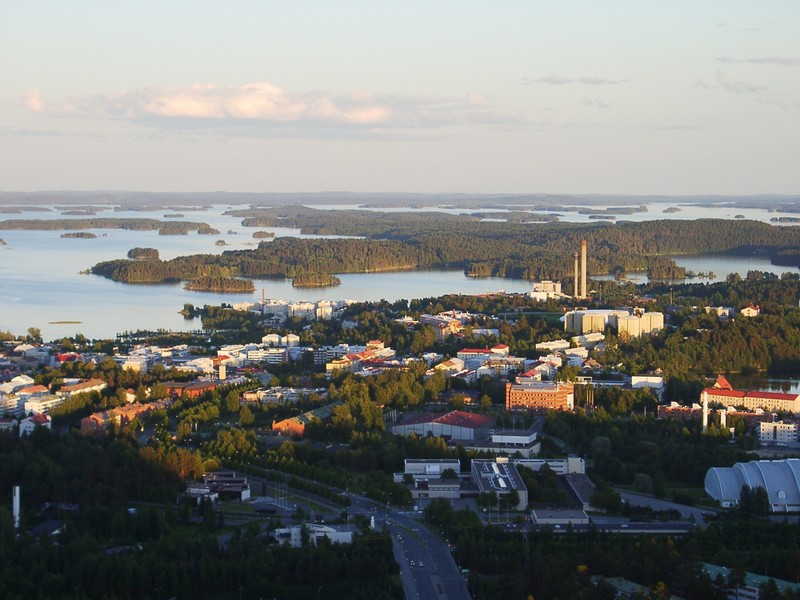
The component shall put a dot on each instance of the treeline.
(104, 223)
(221, 284)
(315, 280)
(395, 241)
(81, 235)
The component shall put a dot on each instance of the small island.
(315, 280)
(81, 212)
(672, 209)
(173, 216)
(208, 283)
(260, 235)
(220, 243)
(143, 253)
(82, 235)
(208, 231)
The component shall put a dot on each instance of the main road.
(427, 568)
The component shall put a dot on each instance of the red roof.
(770, 395)
(726, 393)
(34, 389)
(500, 347)
(476, 350)
(722, 383)
(749, 394)
(40, 419)
(459, 418)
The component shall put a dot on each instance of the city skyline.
(610, 98)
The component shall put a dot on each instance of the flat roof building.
(540, 396)
(500, 476)
(455, 425)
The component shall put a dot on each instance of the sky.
(615, 97)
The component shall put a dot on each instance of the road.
(427, 567)
(687, 512)
(434, 574)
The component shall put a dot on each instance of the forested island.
(315, 280)
(220, 284)
(263, 234)
(143, 253)
(83, 235)
(163, 227)
(402, 241)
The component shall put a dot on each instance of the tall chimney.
(15, 507)
(704, 396)
(584, 291)
(577, 292)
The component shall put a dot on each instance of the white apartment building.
(778, 433)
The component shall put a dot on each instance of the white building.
(27, 425)
(778, 433)
(293, 536)
(42, 404)
(780, 478)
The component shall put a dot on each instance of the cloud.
(737, 87)
(596, 103)
(264, 107)
(256, 101)
(731, 86)
(785, 61)
(33, 101)
(562, 80)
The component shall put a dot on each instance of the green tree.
(232, 401)
(245, 416)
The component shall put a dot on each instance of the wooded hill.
(397, 241)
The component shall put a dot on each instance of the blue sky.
(628, 97)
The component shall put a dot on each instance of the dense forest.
(396, 241)
(123, 536)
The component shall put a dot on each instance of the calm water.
(41, 284)
(764, 383)
(720, 265)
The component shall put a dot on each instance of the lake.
(42, 285)
(764, 383)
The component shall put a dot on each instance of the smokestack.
(577, 292)
(705, 411)
(584, 291)
(15, 507)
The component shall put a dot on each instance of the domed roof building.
(780, 478)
